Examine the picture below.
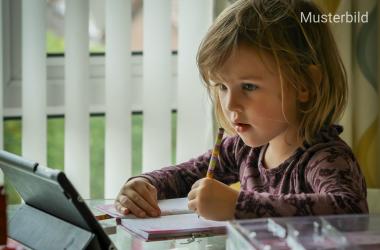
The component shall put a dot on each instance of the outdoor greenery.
(55, 148)
(56, 45)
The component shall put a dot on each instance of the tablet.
(49, 192)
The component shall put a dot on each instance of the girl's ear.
(303, 94)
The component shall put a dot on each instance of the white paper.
(168, 207)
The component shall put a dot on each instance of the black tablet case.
(54, 216)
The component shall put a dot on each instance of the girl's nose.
(232, 103)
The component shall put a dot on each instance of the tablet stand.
(39, 230)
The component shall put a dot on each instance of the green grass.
(56, 44)
(12, 143)
(55, 150)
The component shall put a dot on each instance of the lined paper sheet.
(168, 207)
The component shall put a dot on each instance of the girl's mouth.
(241, 127)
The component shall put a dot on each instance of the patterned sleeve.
(176, 181)
(336, 183)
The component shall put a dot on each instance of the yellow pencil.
(103, 217)
(215, 154)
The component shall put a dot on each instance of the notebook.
(176, 220)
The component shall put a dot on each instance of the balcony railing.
(155, 85)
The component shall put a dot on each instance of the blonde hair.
(275, 27)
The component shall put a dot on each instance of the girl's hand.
(212, 199)
(138, 197)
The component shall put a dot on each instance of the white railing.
(118, 95)
(34, 80)
(157, 90)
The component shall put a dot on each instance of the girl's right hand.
(138, 197)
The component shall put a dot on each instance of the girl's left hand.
(213, 199)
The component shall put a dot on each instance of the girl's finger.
(152, 189)
(135, 209)
(149, 193)
(120, 208)
(122, 199)
(192, 195)
(192, 205)
(140, 200)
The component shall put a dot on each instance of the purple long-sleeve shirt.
(323, 178)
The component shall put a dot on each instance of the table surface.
(124, 240)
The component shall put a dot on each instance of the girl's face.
(252, 100)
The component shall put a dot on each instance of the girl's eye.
(221, 86)
(249, 86)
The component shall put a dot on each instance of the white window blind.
(77, 147)
(157, 89)
(194, 128)
(34, 81)
(156, 83)
(118, 156)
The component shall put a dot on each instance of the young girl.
(278, 86)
